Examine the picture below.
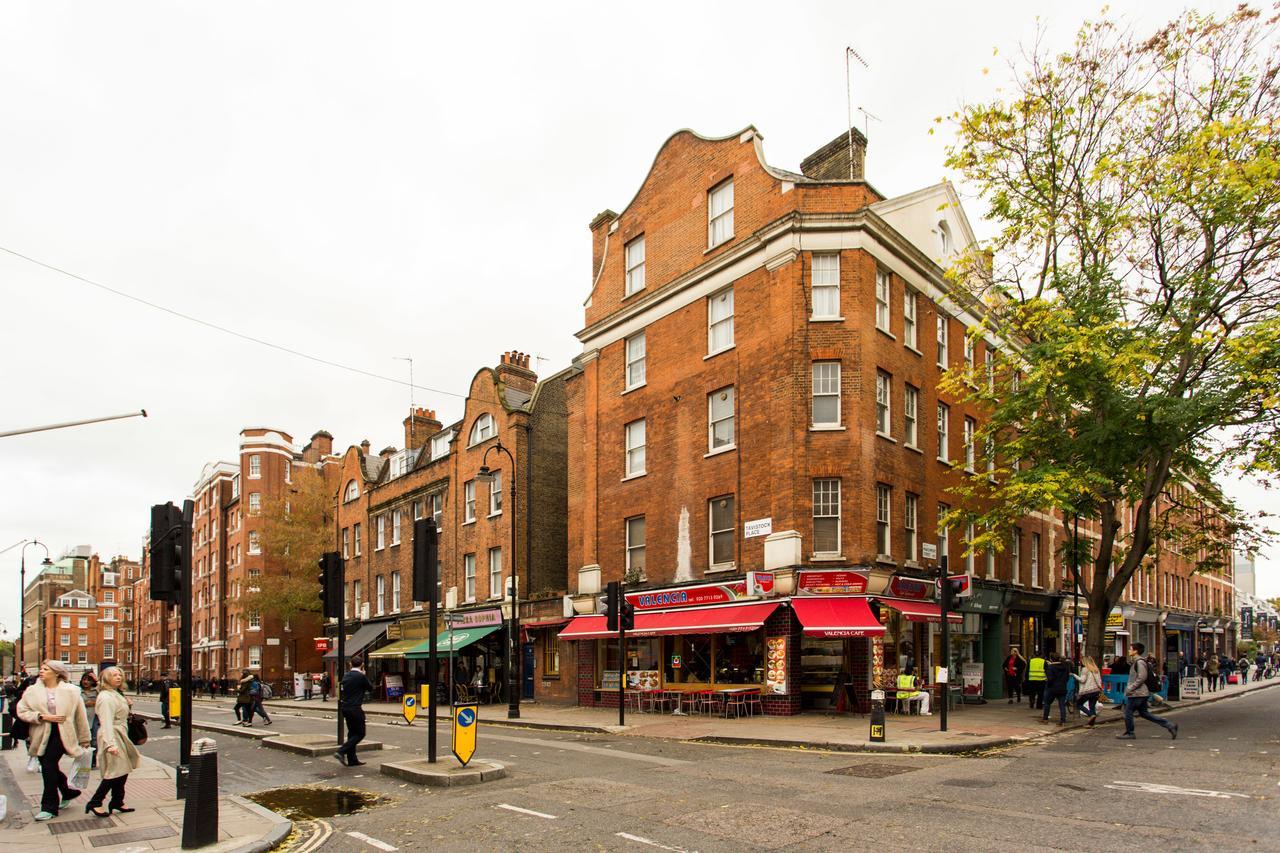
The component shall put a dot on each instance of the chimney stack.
(420, 426)
(365, 445)
(831, 161)
(514, 372)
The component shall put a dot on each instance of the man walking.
(1035, 680)
(351, 693)
(165, 684)
(326, 684)
(1137, 695)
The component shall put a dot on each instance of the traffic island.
(314, 744)
(445, 775)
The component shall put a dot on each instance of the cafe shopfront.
(1029, 624)
(821, 645)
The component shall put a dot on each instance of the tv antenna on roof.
(410, 360)
(850, 55)
(866, 115)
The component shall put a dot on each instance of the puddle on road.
(302, 803)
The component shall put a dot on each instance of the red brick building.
(435, 475)
(758, 392)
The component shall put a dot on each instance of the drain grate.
(968, 783)
(872, 771)
(82, 825)
(129, 836)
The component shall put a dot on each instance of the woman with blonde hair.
(1089, 690)
(59, 726)
(119, 757)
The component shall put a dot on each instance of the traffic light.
(612, 594)
(426, 560)
(166, 552)
(330, 579)
(628, 613)
(956, 586)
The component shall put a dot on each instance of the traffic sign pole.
(943, 688)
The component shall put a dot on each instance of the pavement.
(243, 826)
(970, 727)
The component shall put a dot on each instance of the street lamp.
(484, 475)
(22, 598)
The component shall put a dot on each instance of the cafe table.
(731, 691)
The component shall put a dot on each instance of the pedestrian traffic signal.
(957, 586)
(330, 579)
(628, 613)
(612, 594)
(426, 560)
(167, 542)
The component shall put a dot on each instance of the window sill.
(826, 558)
(380, 548)
(827, 428)
(724, 242)
(826, 319)
(727, 448)
(626, 391)
(725, 567)
(913, 449)
(969, 470)
(638, 291)
(912, 564)
(468, 601)
(634, 476)
(885, 559)
(886, 437)
(712, 355)
(494, 514)
(888, 334)
(913, 349)
(495, 598)
(947, 462)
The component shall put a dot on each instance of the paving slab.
(318, 744)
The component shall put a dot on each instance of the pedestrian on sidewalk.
(351, 695)
(257, 691)
(1242, 667)
(59, 726)
(244, 700)
(89, 693)
(909, 690)
(1137, 694)
(1015, 667)
(119, 755)
(1211, 672)
(326, 684)
(1056, 679)
(1089, 689)
(1035, 681)
(166, 684)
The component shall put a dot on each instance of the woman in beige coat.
(59, 726)
(117, 756)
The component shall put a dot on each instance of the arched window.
(483, 429)
(944, 237)
(353, 491)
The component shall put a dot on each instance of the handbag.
(137, 730)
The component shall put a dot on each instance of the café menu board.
(831, 582)
(689, 596)
(775, 670)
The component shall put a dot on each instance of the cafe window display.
(703, 660)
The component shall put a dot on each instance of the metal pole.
(514, 648)
(184, 650)
(1075, 577)
(22, 614)
(342, 659)
(433, 665)
(141, 413)
(622, 660)
(944, 691)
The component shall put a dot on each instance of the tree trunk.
(1096, 626)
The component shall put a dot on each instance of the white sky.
(367, 181)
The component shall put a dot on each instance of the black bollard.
(200, 818)
(877, 716)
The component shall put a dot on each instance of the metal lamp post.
(22, 599)
(513, 656)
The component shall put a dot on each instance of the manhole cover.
(968, 783)
(83, 825)
(873, 771)
(303, 803)
(129, 836)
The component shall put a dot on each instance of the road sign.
(409, 707)
(466, 719)
(175, 702)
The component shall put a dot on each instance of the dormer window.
(352, 492)
(483, 429)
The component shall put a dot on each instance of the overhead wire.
(220, 328)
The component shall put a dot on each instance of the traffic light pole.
(944, 689)
(433, 663)
(184, 638)
(342, 670)
(622, 664)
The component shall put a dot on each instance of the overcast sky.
(364, 182)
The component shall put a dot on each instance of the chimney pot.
(831, 161)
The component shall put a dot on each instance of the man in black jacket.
(165, 684)
(1056, 676)
(351, 694)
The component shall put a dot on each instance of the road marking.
(640, 840)
(373, 842)
(511, 808)
(1153, 788)
(599, 750)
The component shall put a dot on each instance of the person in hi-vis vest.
(1036, 680)
(909, 690)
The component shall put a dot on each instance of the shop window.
(720, 513)
(550, 657)
(693, 654)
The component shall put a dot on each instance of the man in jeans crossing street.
(1137, 696)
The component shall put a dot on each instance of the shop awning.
(919, 611)
(836, 617)
(704, 620)
(451, 641)
(540, 624)
(394, 650)
(358, 641)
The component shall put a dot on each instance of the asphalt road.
(1213, 788)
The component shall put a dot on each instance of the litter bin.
(200, 817)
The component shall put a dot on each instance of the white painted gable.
(932, 219)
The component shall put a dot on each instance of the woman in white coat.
(118, 757)
(59, 726)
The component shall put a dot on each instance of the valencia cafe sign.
(755, 584)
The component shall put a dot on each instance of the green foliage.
(1133, 281)
(297, 529)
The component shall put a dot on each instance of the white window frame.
(970, 348)
(255, 620)
(826, 505)
(440, 445)
(883, 289)
(970, 533)
(255, 657)
(944, 340)
(380, 532)
(469, 577)
(395, 527)
(482, 429)
(380, 591)
(944, 535)
(255, 545)
(495, 494)
(910, 304)
(910, 521)
(352, 492)
(634, 261)
(495, 572)
(635, 548)
(884, 518)
(355, 538)
(970, 451)
(825, 384)
(635, 442)
(255, 503)
(884, 401)
(720, 320)
(714, 399)
(346, 543)
(288, 470)
(910, 415)
(1015, 556)
(468, 501)
(720, 213)
(944, 432)
(395, 592)
(824, 286)
(722, 532)
(255, 467)
(635, 361)
(1035, 559)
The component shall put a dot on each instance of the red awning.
(919, 611)
(836, 617)
(539, 624)
(703, 620)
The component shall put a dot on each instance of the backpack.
(266, 690)
(1153, 675)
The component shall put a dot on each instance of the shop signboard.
(831, 582)
(394, 683)
(688, 596)
(759, 527)
(476, 618)
(775, 671)
(760, 583)
(1115, 619)
(1030, 602)
(904, 587)
(643, 679)
(1190, 687)
(1246, 623)
(971, 678)
(983, 600)
(322, 644)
